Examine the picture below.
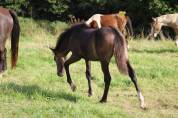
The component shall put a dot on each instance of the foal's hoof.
(143, 106)
(103, 101)
(176, 44)
(73, 87)
(90, 94)
(3, 73)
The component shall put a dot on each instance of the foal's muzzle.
(155, 35)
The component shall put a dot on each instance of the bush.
(140, 11)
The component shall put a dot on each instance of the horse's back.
(114, 20)
(96, 18)
(108, 20)
(170, 18)
(173, 17)
(4, 11)
(6, 22)
(4, 14)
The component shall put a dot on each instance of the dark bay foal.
(94, 45)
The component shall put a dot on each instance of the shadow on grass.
(31, 90)
(158, 51)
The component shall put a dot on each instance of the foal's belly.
(91, 58)
(89, 53)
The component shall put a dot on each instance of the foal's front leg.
(71, 60)
(177, 40)
(107, 80)
(88, 76)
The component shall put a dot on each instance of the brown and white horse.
(170, 20)
(118, 21)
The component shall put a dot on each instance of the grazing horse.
(9, 25)
(93, 45)
(118, 21)
(170, 20)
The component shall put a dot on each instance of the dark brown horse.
(9, 25)
(93, 45)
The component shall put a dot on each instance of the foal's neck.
(62, 47)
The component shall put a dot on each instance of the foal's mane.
(64, 36)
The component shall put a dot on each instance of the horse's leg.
(177, 39)
(88, 76)
(71, 60)
(107, 80)
(176, 31)
(177, 42)
(134, 80)
(5, 61)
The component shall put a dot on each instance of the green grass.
(33, 89)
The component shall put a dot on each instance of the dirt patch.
(163, 104)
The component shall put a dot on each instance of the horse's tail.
(129, 25)
(120, 52)
(14, 39)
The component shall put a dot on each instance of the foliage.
(49, 9)
(140, 11)
(20, 6)
(43, 9)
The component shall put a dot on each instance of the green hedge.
(140, 11)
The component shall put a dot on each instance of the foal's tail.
(14, 39)
(129, 26)
(120, 52)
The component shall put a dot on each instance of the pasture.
(33, 89)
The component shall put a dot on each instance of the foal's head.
(61, 49)
(155, 27)
(59, 58)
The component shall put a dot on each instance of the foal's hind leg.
(71, 60)
(88, 76)
(107, 80)
(134, 80)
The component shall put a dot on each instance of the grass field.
(33, 89)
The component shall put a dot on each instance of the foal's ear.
(154, 19)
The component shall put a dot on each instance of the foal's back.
(93, 44)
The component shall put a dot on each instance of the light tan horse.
(118, 21)
(170, 20)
